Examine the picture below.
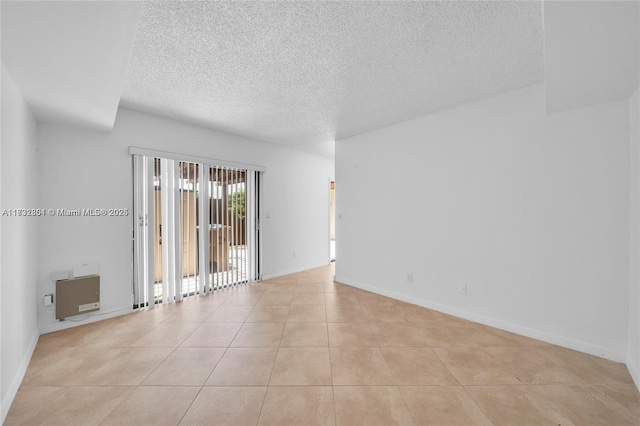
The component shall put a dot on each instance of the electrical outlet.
(410, 278)
(48, 299)
(462, 288)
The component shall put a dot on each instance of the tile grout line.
(333, 388)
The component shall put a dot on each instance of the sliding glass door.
(196, 227)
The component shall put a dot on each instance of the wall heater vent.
(77, 296)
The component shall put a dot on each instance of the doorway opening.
(332, 221)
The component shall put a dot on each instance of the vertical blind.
(196, 227)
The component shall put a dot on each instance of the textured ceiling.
(305, 74)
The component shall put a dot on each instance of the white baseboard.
(17, 379)
(93, 317)
(554, 339)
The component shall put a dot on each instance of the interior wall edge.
(634, 370)
(633, 326)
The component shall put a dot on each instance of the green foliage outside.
(236, 203)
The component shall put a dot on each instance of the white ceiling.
(69, 59)
(305, 74)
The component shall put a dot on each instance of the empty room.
(320, 213)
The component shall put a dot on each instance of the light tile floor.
(303, 350)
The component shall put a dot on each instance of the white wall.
(591, 52)
(81, 168)
(19, 247)
(530, 211)
(633, 350)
